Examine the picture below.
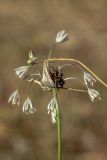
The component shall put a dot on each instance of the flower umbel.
(52, 109)
(53, 79)
(14, 97)
(22, 72)
(93, 94)
(62, 36)
(89, 79)
(28, 106)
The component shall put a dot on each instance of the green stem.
(58, 125)
(59, 135)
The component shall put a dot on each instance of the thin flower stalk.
(77, 90)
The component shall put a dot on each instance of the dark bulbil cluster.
(57, 77)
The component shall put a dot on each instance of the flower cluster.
(51, 77)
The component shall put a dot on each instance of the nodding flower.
(22, 72)
(32, 58)
(62, 36)
(93, 94)
(52, 109)
(14, 97)
(89, 79)
(28, 107)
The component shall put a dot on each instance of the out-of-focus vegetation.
(33, 24)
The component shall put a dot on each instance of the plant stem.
(59, 135)
(58, 125)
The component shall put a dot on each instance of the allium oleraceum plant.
(52, 79)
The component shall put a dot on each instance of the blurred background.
(33, 24)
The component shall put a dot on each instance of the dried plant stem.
(58, 125)
(83, 65)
